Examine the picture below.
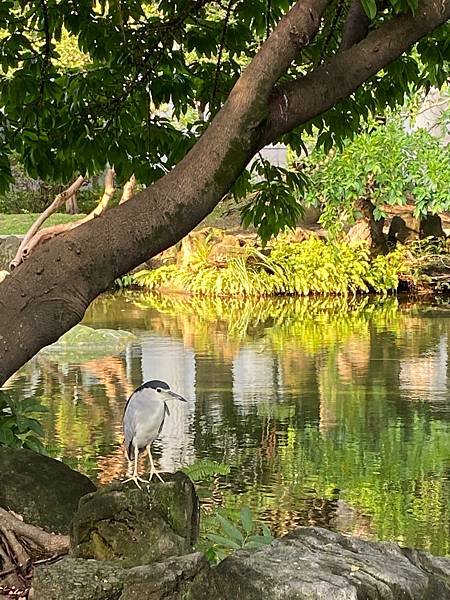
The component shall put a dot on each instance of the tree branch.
(49, 293)
(128, 190)
(300, 100)
(35, 238)
(54, 206)
(356, 25)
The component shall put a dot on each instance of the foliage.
(124, 282)
(309, 267)
(274, 203)
(19, 427)
(388, 165)
(204, 469)
(133, 83)
(245, 533)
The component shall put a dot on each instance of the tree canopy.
(134, 84)
(143, 83)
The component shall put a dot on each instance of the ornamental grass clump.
(313, 266)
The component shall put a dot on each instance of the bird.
(142, 422)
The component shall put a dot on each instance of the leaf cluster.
(245, 532)
(289, 268)
(388, 165)
(19, 427)
(131, 83)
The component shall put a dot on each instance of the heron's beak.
(176, 396)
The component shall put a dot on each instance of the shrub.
(297, 268)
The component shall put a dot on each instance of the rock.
(431, 226)
(83, 343)
(44, 491)
(317, 564)
(300, 234)
(404, 227)
(192, 242)
(3, 275)
(311, 216)
(137, 527)
(78, 579)
(163, 259)
(228, 247)
(8, 248)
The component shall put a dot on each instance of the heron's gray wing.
(129, 424)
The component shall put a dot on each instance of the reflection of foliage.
(19, 427)
(317, 321)
(300, 268)
(242, 533)
(331, 437)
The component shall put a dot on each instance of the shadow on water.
(330, 412)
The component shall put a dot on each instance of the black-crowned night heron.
(143, 419)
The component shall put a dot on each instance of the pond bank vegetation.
(221, 264)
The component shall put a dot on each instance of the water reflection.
(329, 412)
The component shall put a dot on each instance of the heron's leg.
(152, 467)
(130, 468)
(135, 477)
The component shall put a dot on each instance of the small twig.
(54, 206)
(128, 190)
(8, 571)
(46, 234)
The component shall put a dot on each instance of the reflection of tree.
(305, 398)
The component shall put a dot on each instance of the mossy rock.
(122, 523)
(83, 343)
(43, 490)
(78, 579)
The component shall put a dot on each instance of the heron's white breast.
(149, 418)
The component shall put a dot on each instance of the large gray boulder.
(78, 579)
(122, 523)
(43, 490)
(317, 564)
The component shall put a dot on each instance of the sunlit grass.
(18, 224)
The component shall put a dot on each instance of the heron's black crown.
(154, 384)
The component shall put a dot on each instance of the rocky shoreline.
(127, 543)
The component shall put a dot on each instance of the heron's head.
(162, 390)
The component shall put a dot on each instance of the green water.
(329, 412)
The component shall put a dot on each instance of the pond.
(329, 412)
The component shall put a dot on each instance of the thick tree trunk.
(49, 293)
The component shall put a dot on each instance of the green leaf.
(228, 527)
(370, 8)
(247, 519)
(223, 541)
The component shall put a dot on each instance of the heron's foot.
(136, 480)
(157, 475)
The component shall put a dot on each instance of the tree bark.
(356, 25)
(49, 293)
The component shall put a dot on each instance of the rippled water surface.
(329, 412)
